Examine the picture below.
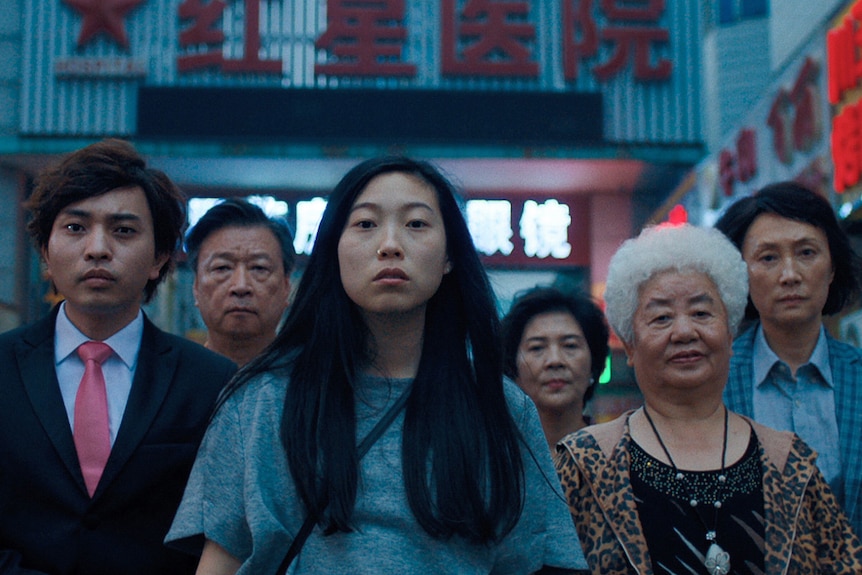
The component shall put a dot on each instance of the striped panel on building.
(91, 89)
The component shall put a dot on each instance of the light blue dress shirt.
(118, 369)
(805, 404)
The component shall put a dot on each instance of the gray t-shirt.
(240, 495)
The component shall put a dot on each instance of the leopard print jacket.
(806, 530)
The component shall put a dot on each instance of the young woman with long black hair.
(394, 304)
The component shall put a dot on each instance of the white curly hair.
(681, 248)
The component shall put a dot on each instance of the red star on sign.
(103, 15)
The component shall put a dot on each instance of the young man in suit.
(96, 451)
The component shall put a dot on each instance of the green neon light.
(605, 377)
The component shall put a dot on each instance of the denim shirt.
(804, 404)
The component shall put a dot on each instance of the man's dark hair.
(539, 300)
(794, 201)
(100, 168)
(238, 213)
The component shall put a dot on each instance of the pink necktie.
(92, 434)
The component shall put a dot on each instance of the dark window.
(732, 11)
(726, 11)
(752, 9)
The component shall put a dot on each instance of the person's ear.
(46, 265)
(46, 270)
(159, 262)
(195, 289)
(629, 353)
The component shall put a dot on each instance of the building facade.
(566, 123)
(798, 119)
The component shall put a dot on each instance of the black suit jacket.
(46, 515)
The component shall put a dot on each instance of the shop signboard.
(845, 72)
(783, 137)
(86, 62)
(509, 229)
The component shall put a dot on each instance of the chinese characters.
(544, 228)
(741, 166)
(490, 223)
(366, 39)
(488, 38)
(308, 216)
(478, 38)
(795, 115)
(845, 71)
(633, 32)
(205, 40)
(842, 48)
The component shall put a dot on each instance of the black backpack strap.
(361, 449)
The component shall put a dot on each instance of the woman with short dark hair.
(787, 371)
(555, 346)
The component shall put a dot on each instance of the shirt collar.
(765, 358)
(126, 343)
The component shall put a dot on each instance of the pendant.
(717, 560)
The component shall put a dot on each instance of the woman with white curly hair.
(682, 485)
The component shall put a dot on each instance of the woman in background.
(394, 309)
(555, 346)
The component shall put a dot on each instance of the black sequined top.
(675, 530)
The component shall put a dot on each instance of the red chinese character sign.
(740, 166)
(843, 52)
(497, 38)
(779, 121)
(611, 48)
(795, 115)
(203, 39)
(488, 38)
(843, 44)
(633, 34)
(367, 38)
(847, 147)
(746, 155)
(805, 97)
(364, 38)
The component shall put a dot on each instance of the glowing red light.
(678, 215)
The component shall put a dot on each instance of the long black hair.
(461, 455)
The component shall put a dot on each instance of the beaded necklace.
(717, 560)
